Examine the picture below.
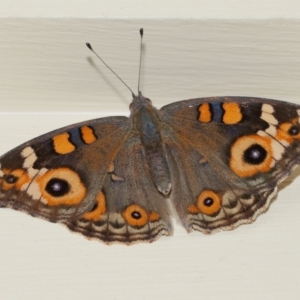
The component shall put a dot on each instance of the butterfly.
(214, 162)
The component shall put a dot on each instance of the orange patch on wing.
(193, 209)
(232, 113)
(74, 194)
(135, 215)
(96, 214)
(208, 202)
(88, 135)
(20, 178)
(153, 217)
(61, 143)
(237, 162)
(205, 113)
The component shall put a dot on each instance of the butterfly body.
(147, 124)
(219, 160)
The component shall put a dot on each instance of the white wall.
(191, 49)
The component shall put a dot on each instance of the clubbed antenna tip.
(89, 46)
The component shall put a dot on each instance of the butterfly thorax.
(147, 126)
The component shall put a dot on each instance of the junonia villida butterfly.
(218, 159)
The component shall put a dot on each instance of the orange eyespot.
(14, 179)
(61, 186)
(208, 202)
(288, 132)
(135, 215)
(251, 155)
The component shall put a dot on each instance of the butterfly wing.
(227, 155)
(135, 210)
(78, 176)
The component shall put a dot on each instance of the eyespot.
(250, 155)
(288, 132)
(61, 186)
(135, 215)
(14, 179)
(208, 202)
(10, 178)
(294, 130)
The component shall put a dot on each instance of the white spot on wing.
(269, 118)
(33, 172)
(277, 149)
(33, 190)
(30, 157)
(262, 133)
(1, 172)
(27, 151)
(267, 108)
(298, 112)
(271, 130)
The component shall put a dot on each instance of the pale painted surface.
(46, 81)
(179, 9)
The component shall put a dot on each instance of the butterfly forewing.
(53, 176)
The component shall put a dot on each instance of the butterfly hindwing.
(227, 156)
(132, 208)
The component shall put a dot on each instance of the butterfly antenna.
(141, 44)
(90, 47)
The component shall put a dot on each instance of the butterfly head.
(138, 102)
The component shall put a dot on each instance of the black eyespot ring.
(11, 179)
(208, 202)
(136, 215)
(255, 154)
(294, 130)
(57, 187)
